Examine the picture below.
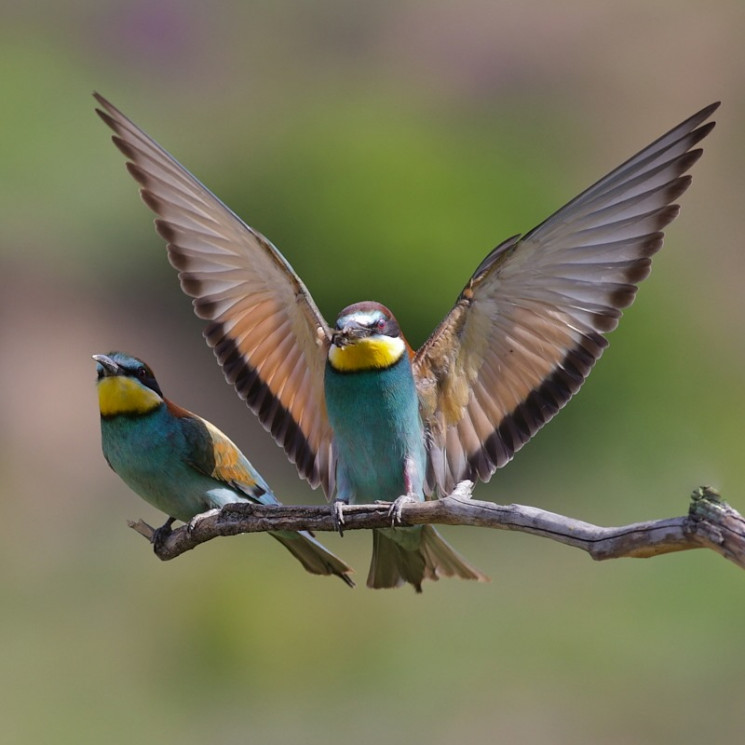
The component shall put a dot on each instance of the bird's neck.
(126, 396)
(372, 353)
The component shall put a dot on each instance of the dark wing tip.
(137, 173)
(107, 119)
(164, 228)
(103, 101)
(706, 112)
(688, 160)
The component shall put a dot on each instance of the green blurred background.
(385, 148)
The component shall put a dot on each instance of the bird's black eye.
(145, 375)
(380, 324)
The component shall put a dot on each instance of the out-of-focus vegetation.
(385, 148)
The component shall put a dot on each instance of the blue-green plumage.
(382, 434)
(180, 463)
(141, 451)
(379, 439)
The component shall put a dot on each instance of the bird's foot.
(337, 512)
(161, 534)
(394, 512)
(192, 524)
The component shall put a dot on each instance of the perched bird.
(354, 407)
(180, 463)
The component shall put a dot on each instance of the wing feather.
(528, 328)
(266, 331)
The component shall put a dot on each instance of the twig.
(710, 523)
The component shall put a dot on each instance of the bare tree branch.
(710, 523)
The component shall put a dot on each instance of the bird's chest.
(377, 432)
(140, 444)
(146, 452)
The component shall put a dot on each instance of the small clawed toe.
(337, 512)
(396, 508)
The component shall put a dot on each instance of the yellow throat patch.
(371, 353)
(122, 395)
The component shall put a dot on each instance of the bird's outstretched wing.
(266, 331)
(528, 327)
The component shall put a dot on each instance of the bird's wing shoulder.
(528, 327)
(267, 333)
(213, 454)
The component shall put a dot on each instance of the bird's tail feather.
(414, 554)
(313, 555)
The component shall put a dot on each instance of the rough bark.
(710, 523)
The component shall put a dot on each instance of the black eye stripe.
(145, 375)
